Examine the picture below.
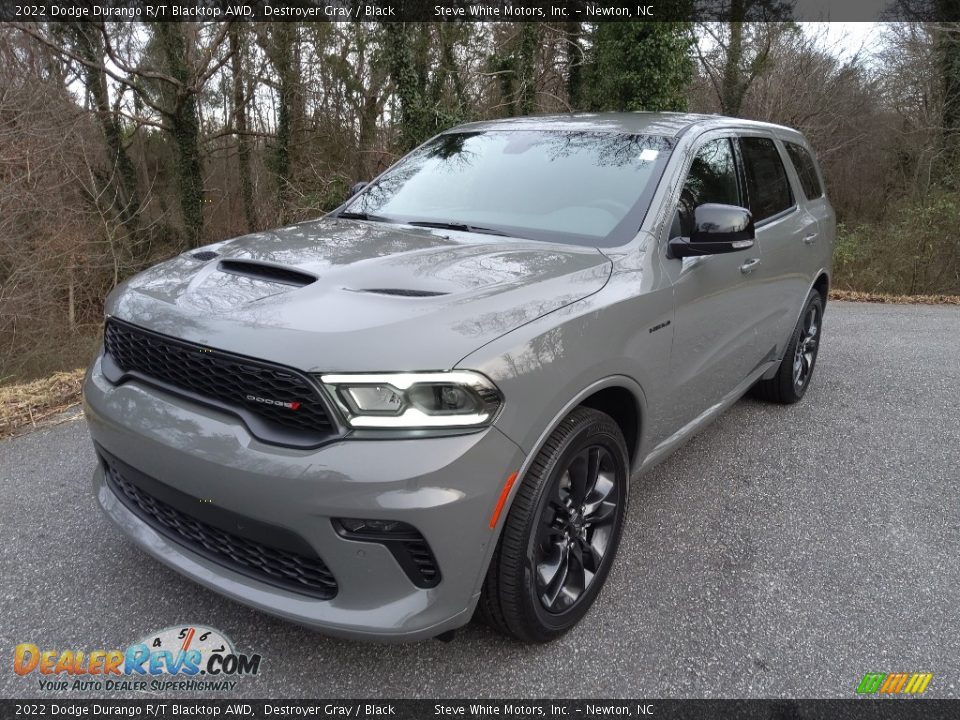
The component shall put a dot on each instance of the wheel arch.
(615, 391)
(619, 393)
(822, 285)
(622, 405)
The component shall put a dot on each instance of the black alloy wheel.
(561, 534)
(575, 528)
(792, 379)
(805, 353)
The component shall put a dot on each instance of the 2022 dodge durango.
(432, 400)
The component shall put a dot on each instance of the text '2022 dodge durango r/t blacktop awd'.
(431, 401)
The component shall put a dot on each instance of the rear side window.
(806, 170)
(767, 183)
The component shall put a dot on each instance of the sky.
(843, 39)
(847, 38)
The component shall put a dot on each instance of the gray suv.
(432, 401)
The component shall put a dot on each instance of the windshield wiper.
(463, 227)
(363, 216)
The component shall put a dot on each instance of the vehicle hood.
(479, 286)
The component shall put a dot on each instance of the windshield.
(586, 188)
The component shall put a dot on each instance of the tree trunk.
(731, 86)
(186, 134)
(948, 47)
(575, 66)
(240, 126)
(406, 75)
(124, 178)
(283, 58)
(184, 127)
(527, 67)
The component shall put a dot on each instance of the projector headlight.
(460, 398)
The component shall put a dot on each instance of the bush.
(914, 250)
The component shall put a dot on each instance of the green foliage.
(327, 197)
(640, 66)
(913, 251)
(526, 68)
(409, 55)
(183, 123)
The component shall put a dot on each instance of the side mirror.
(717, 229)
(355, 189)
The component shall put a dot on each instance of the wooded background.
(124, 144)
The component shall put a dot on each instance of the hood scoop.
(403, 292)
(204, 255)
(267, 273)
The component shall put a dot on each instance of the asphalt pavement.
(784, 552)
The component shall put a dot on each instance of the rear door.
(809, 184)
(784, 226)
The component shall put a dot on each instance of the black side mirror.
(355, 189)
(717, 229)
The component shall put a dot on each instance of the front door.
(715, 342)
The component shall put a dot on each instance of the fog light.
(355, 526)
(408, 547)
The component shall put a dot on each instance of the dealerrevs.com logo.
(185, 657)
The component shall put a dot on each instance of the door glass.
(767, 183)
(806, 170)
(712, 179)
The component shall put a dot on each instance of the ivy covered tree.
(86, 42)
(640, 66)
(427, 82)
(176, 97)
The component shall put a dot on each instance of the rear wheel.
(562, 531)
(790, 383)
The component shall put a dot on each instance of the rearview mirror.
(717, 229)
(355, 189)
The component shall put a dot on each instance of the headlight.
(460, 398)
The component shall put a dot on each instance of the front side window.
(712, 179)
(577, 187)
(806, 170)
(767, 184)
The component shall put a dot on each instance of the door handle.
(749, 266)
(810, 239)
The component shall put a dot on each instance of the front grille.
(275, 566)
(270, 398)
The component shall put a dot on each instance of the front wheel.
(793, 376)
(562, 531)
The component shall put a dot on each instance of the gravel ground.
(785, 551)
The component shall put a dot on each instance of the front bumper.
(445, 487)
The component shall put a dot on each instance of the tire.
(559, 513)
(786, 386)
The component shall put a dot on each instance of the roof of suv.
(668, 124)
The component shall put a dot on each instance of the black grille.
(407, 545)
(275, 566)
(269, 398)
(423, 560)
